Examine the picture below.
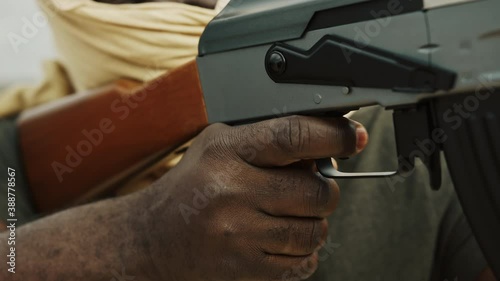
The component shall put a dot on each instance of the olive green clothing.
(402, 232)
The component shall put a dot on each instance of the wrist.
(149, 235)
(134, 250)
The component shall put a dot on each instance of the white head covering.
(99, 42)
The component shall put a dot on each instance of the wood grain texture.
(87, 142)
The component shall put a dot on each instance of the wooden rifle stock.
(83, 143)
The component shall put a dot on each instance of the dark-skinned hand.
(246, 203)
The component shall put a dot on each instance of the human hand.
(246, 203)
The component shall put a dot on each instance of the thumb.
(280, 142)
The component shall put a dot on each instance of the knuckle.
(325, 197)
(298, 236)
(293, 134)
(318, 196)
(305, 236)
(278, 268)
(273, 268)
(309, 265)
(280, 184)
(217, 139)
(280, 234)
(294, 268)
(311, 236)
(250, 141)
(287, 274)
(344, 137)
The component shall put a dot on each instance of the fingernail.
(361, 138)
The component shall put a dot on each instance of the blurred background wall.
(25, 41)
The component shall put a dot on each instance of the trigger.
(326, 169)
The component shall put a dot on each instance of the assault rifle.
(435, 63)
